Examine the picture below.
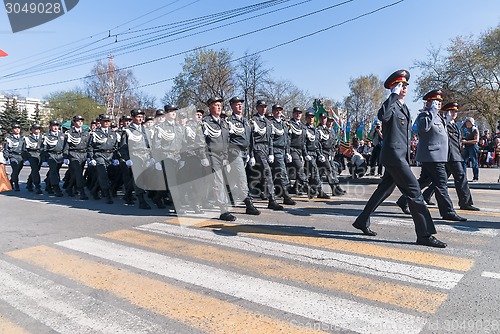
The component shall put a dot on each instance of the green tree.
(9, 116)
(66, 104)
(24, 119)
(468, 71)
(37, 117)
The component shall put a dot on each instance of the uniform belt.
(105, 151)
(33, 150)
(80, 151)
(55, 152)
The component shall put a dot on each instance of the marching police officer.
(297, 139)
(240, 137)
(12, 150)
(52, 148)
(396, 127)
(216, 132)
(76, 152)
(281, 151)
(31, 153)
(328, 143)
(314, 154)
(454, 165)
(262, 149)
(104, 152)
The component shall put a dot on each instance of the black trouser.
(313, 172)
(279, 171)
(375, 160)
(35, 170)
(402, 177)
(76, 173)
(261, 154)
(325, 168)
(456, 169)
(435, 173)
(16, 164)
(102, 171)
(193, 179)
(218, 181)
(296, 167)
(55, 163)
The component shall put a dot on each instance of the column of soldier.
(204, 162)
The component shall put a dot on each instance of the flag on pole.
(348, 131)
(372, 128)
(3, 53)
(360, 130)
(344, 149)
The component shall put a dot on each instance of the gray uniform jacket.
(432, 137)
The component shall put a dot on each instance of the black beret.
(309, 113)
(135, 112)
(170, 107)
(15, 125)
(261, 103)
(105, 118)
(53, 122)
(36, 126)
(398, 76)
(214, 99)
(297, 109)
(450, 106)
(149, 118)
(435, 94)
(235, 99)
(200, 111)
(126, 118)
(277, 106)
(78, 118)
(160, 112)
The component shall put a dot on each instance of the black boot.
(109, 197)
(142, 203)
(57, 191)
(287, 199)
(274, 205)
(158, 200)
(95, 194)
(83, 195)
(251, 209)
(337, 190)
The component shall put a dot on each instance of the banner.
(361, 128)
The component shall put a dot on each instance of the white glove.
(397, 89)
(225, 162)
(321, 158)
(181, 164)
(27, 163)
(308, 158)
(270, 158)
(150, 162)
(247, 159)
(66, 161)
(45, 164)
(330, 158)
(129, 163)
(205, 162)
(288, 158)
(92, 162)
(251, 162)
(228, 168)
(7, 162)
(158, 166)
(116, 162)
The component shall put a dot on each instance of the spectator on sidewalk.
(471, 149)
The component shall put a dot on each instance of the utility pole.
(110, 88)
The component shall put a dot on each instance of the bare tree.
(112, 87)
(285, 93)
(251, 76)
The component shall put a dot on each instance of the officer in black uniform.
(104, 151)
(240, 137)
(166, 149)
(314, 154)
(396, 127)
(262, 149)
(31, 153)
(281, 150)
(52, 149)
(454, 165)
(12, 150)
(297, 137)
(135, 151)
(432, 153)
(216, 131)
(328, 145)
(76, 152)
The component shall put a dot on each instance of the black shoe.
(49, 191)
(431, 242)
(128, 200)
(274, 206)
(159, 203)
(95, 195)
(338, 191)
(16, 187)
(263, 197)
(30, 189)
(59, 194)
(365, 230)
(289, 201)
(227, 216)
(323, 195)
(252, 210)
(454, 217)
(404, 208)
(469, 207)
(83, 196)
(429, 201)
(38, 191)
(144, 205)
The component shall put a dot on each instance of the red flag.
(3, 53)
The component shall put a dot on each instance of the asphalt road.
(72, 266)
